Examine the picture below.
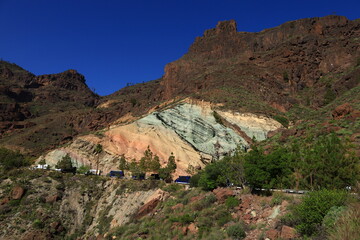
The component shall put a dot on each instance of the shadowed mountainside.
(304, 64)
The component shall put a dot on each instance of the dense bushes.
(347, 225)
(10, 159)
(310, 213)
(268, 171)
(316, 163)
(65, 163)
(312, 163)
(222, 173)
(283, 120)
(236, 231)
(232, 202)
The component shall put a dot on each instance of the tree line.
(316, 162)
(150, 162)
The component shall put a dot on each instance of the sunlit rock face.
(198, 127)
(188, 130)
(254, 126)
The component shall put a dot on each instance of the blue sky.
(114, 43)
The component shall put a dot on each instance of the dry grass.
(348, 225)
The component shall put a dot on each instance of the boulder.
(147, 208)
(341, 111)
(222, 194)
(17, 193)
(56, 227)
(177, 206)
(287, 232)
(184, 231)
(52, 198)
(246, 202)
(196, 198)
(272, 234)
(35, 235)
(192, 228)
(4, 201)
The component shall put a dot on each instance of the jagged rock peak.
(71, 71)
(69, 75)
(223, 27)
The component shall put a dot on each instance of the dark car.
(69, 170)
(140, 176)
(183, 179)
(119, 174)
(155, 176)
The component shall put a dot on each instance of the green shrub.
(186, 219)
(194, 180)
(283, 120)
(277, 198)
(213, 176)
(133, 102)
(222, 216)
(347, 225)
(65, 163)
(10, 159)
(83, 169)
(210, 199)
(206, 202)
(329, 95)
(285, 76)
(183, 219)
(332, 216)
(289, 219)
(14, 203)
(218, 118)
(172, 188)
(314, 207)
(38, 224)
(231, 202)
(236, 231)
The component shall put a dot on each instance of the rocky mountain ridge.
(305, 63)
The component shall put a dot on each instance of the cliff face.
(307, 63)
(24, 96)
(51, 205)
(275, 64)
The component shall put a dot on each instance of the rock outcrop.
(188, 130)
(222, 194)
(305, 62)
(17, 193)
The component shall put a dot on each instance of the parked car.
(119, 174)
(183, 180)
(140, 176)
(69, 170)
(155, 176)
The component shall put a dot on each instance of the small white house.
(94, 172)
(40, 166)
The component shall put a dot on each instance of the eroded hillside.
(304, 64)
(193, 131)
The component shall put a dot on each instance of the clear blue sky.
(115, 42)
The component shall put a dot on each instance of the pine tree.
(65, 163)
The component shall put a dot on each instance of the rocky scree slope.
(44, 204)
(49, 205)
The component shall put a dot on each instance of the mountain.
(299, 67)
(289, 96)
